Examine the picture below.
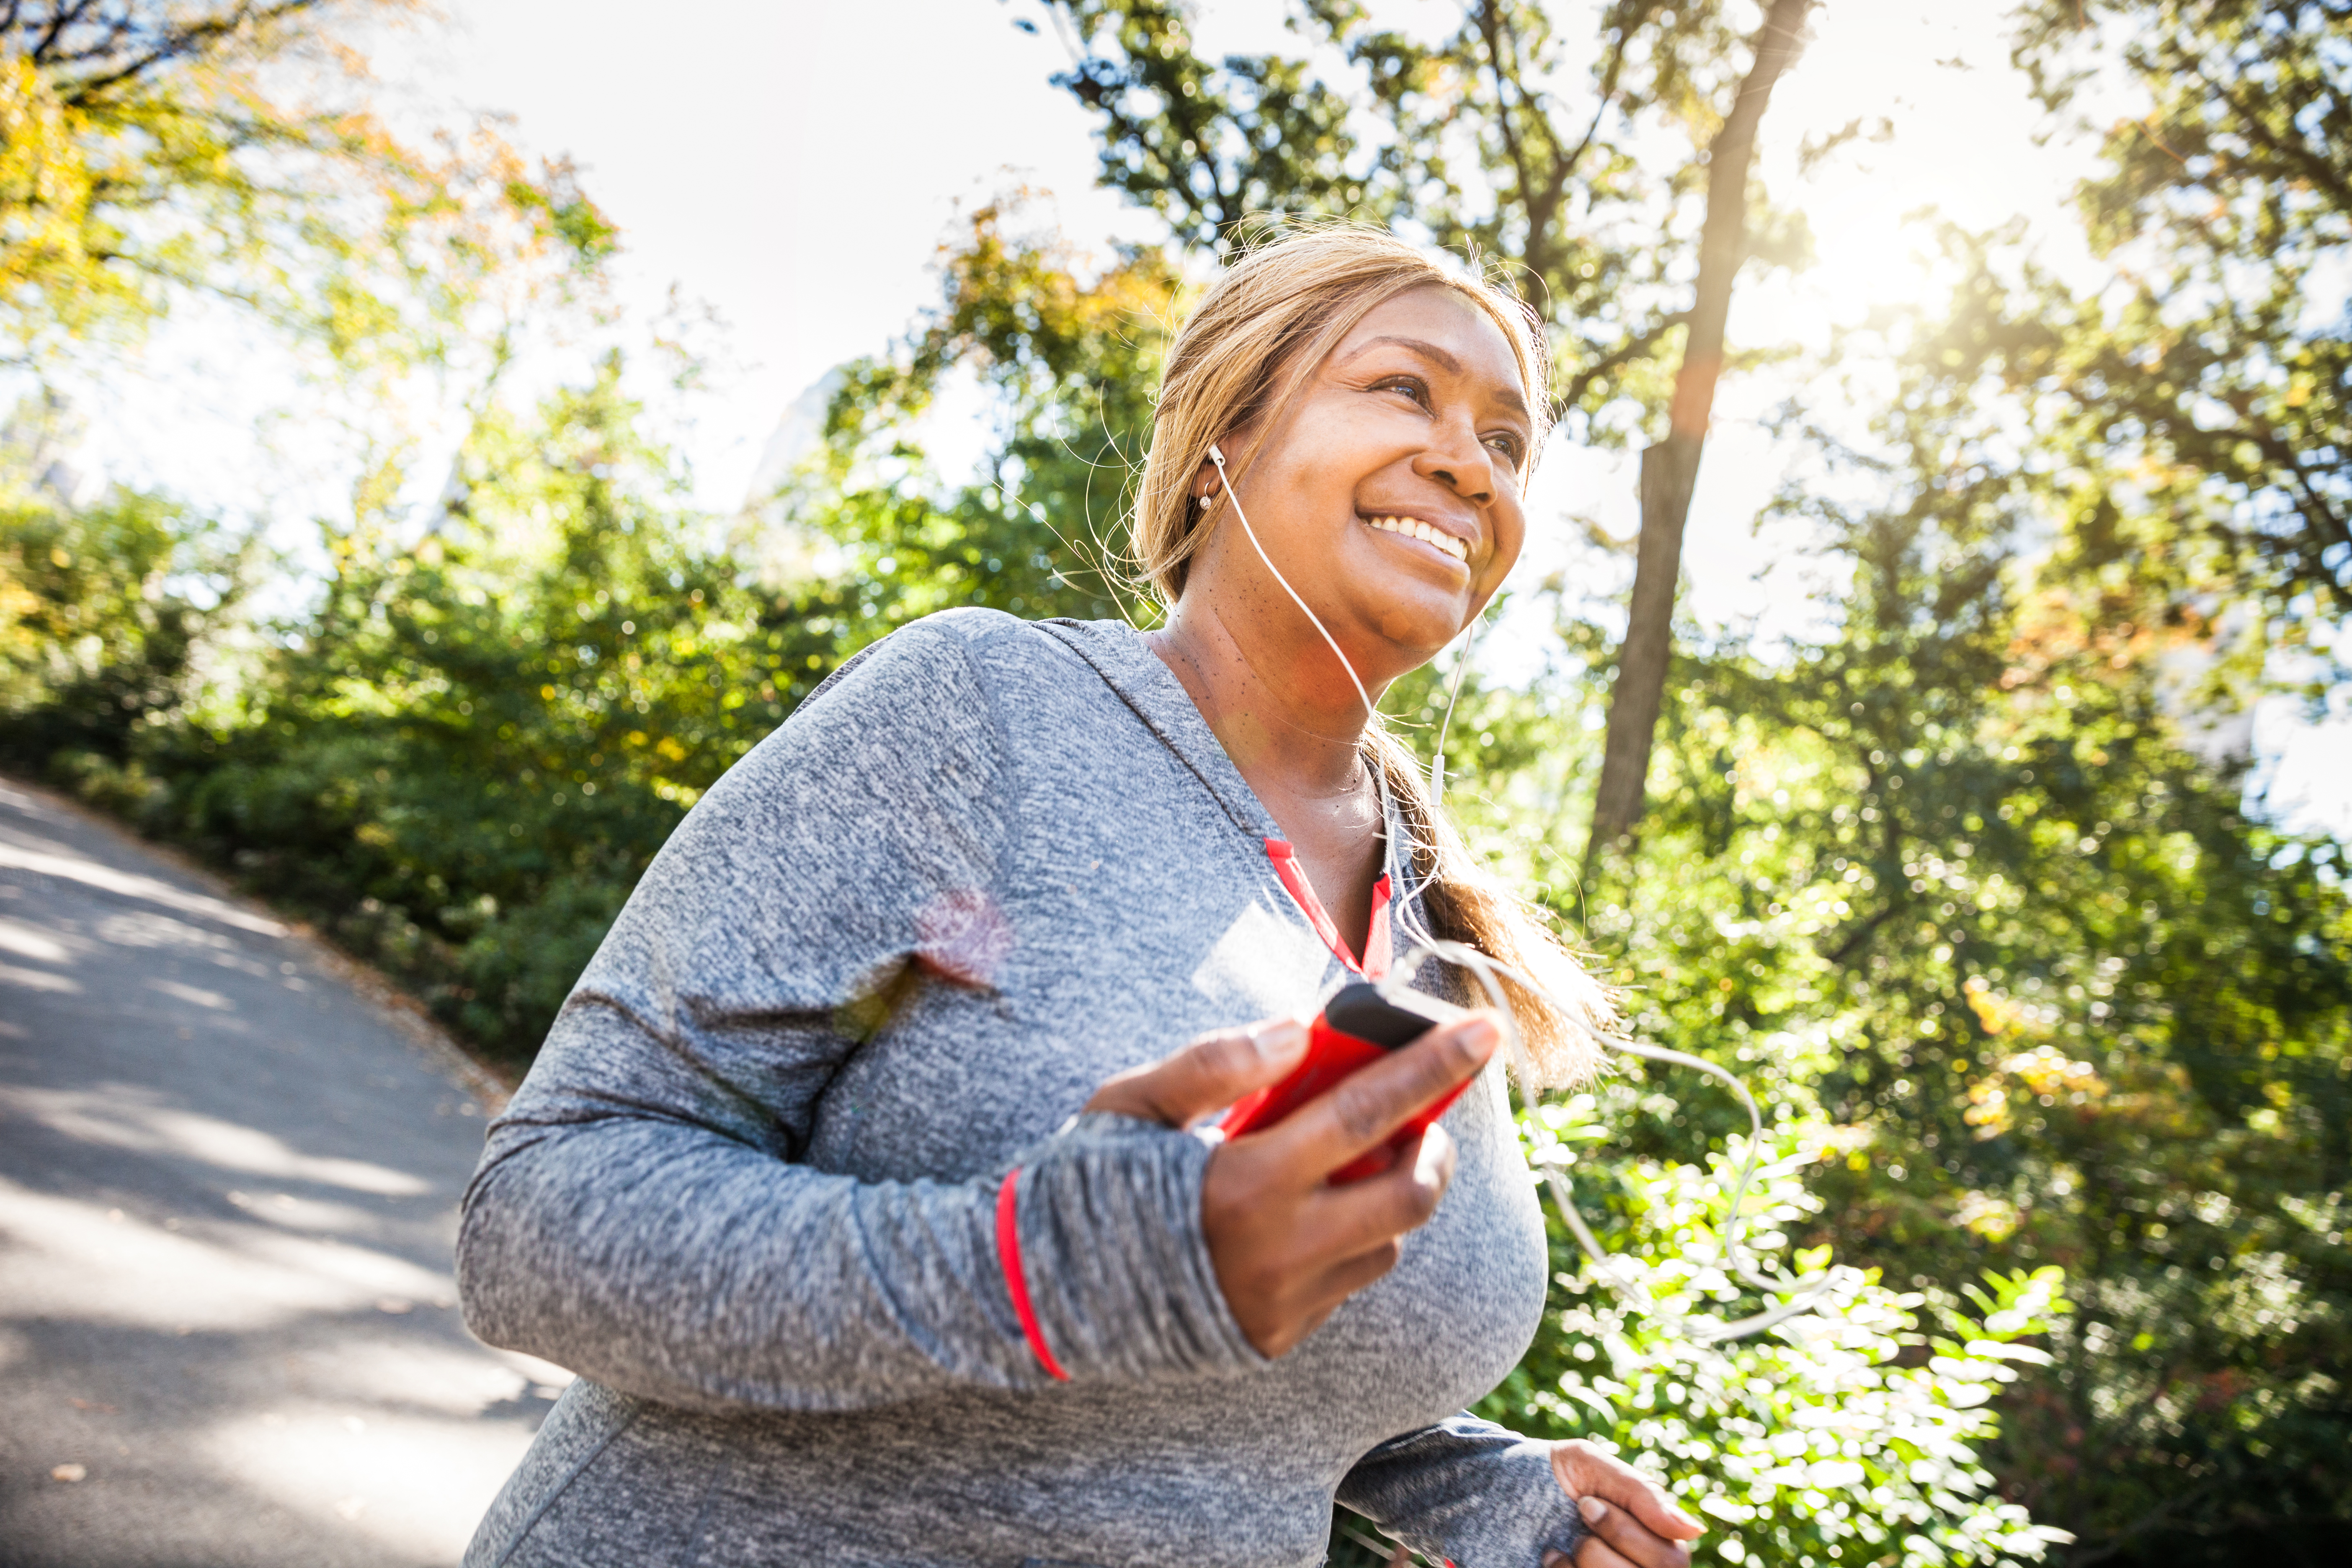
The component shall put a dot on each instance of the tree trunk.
(1670, 467)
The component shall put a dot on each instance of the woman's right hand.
(1288, 1246)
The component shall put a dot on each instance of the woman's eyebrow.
(1507, 396)
(1419, 345)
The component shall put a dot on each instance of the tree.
(1949, 874)
(1592, 231)
(2023, 986)
(151, 150)
(2217, 373)
(1070, 353)
(1670, 467)
(1558, 197)
(103, 610)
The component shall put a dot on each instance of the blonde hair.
(1241, 357)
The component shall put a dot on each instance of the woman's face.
(1389, 494)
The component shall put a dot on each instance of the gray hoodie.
(755, 1188)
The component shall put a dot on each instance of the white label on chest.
(1262, 963)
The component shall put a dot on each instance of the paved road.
(228, 1185)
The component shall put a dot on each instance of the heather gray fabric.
(748, 1190)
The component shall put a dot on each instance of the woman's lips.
(1413, 528)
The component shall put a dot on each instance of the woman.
(796, 1185)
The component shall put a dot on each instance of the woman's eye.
(1410, 386)
(1507, 445)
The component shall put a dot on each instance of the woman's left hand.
(1634, 1524)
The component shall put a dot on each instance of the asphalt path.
(229, 1179)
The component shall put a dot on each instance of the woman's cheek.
(1509, 538)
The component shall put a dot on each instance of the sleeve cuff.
(1099, 1234)
(1469, 1491)
(1523, 1514)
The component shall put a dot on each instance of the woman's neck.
(1298, 738)
(1294, 739)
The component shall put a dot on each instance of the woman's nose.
(1462, 463)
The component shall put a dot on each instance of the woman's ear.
(1205, 486)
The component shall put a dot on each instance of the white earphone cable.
(1217, 455)
(1729, 1255)
(1445, 725)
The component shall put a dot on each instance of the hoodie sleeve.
(639, 1215)
(1468, 1492)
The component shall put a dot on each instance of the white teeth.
(1413, 528)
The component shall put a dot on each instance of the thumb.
(1211, 1073)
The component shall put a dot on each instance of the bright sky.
(798, 177)
(845, 163)
(794, 166)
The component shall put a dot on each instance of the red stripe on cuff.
(1008, 1253)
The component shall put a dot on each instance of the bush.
(102, 615)
(1851, 1432)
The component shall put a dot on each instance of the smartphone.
(1356, 1029)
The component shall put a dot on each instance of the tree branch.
(1490, 29)
(1630, 349)
(1565, 167)
(2293, 152)
(192, 39)
(2080, 1558)
(2313, 503)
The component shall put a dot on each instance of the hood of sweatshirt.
(1118, 653)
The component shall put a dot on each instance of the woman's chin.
(1421, 622)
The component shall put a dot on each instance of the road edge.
(406, 1014)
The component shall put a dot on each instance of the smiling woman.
(856, 1177)
(1383, 415)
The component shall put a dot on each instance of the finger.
(1626, 1537)
(1612, 1480)
(1349, 1275)
(1211, 1073)
(1290, 1337)
(1361, 1113)
(1595, 1552)
(1375, 1211)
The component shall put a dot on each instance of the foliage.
(149, 151)
(1844, 1433)
(1945, 863)
(1471, 139)
(2216, 379)
(1068, 362)
(102, 611)
(1959, 885)
(1952, 873)
(461, 758)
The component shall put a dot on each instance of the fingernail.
(1276, 1041)
(1593, 1510)
(1480, 1034)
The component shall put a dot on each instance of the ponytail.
(1565, 1026)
